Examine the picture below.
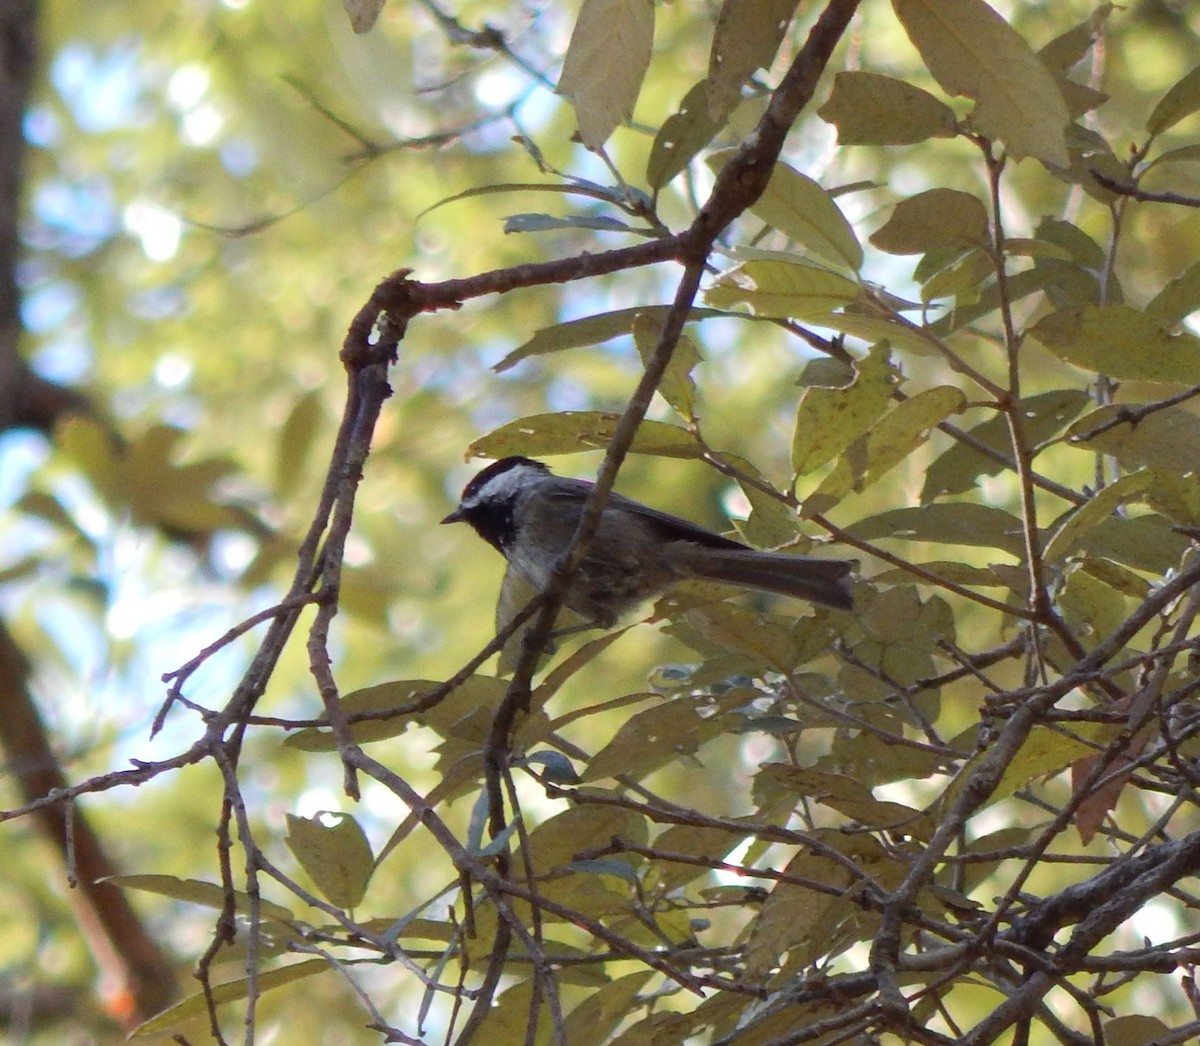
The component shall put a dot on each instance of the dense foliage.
(908, 283)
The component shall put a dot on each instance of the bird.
(530, 515)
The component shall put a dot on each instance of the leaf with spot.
(336, 855)
(829, 420)
(1121, 342)
(890, 440)
(571, 431)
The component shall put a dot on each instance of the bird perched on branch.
(530, 515)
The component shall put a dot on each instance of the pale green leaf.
(533, 222)
(1121, 342)
(896, 435)
(1097, 508)
(295, 441)
(1179, 102)
(1071, 239)
(478, 693)
(870, 109)
(955, 523)
(676, 387)
(569, 432)
(555, 842)
(1044, 752)
(1090, 605)
(747, 35)
(606, 60)
(682, 135)
(780, 288)
(194, 891)
(829, 420)
(961, 278)
(1179, 298)
(231, 991)
(875, 329)
(1148, 542)
(803, 211)
(1184, 154)
(1070, 48)
(959, 467)
(933, 219)
(1166, 439)
(590, 330)
(594, 1019)
(336, 855)
(972, 51)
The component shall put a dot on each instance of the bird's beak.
(454, 517)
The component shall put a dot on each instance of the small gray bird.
(529, 514)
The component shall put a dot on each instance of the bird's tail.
(824, 581)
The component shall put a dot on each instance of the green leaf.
(295, 441)
(1179, 298)
(336, 856)
(1091, 606)
(1070, 48)
(1097, 508)
(682, 135)
(842, 793)
(1121, 342)
(804, 212)
(676, 387)
(1077, 244)
(747, 35)
(1184, 154)
(1179, 102)
(573, 188)
(829, 420)
(1045, 751)
(782, 288)
(594, 1019)
(591, 330)
(517, 223)
(959, 523)
(569, 432)
(555, 842)
(896, 435)
(231, 991)
(933, 219)
(1167, 439)
(606, 60)
(876, 329)
(772, 642)
(194, 891)
(960, 467)
(961, 278)
(476, 694)
(870, 109)
(696, 841)
(1143, 542)
(1176, 496)
(972, 51)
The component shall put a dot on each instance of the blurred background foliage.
(212, 190)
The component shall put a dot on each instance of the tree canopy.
(911, 283)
